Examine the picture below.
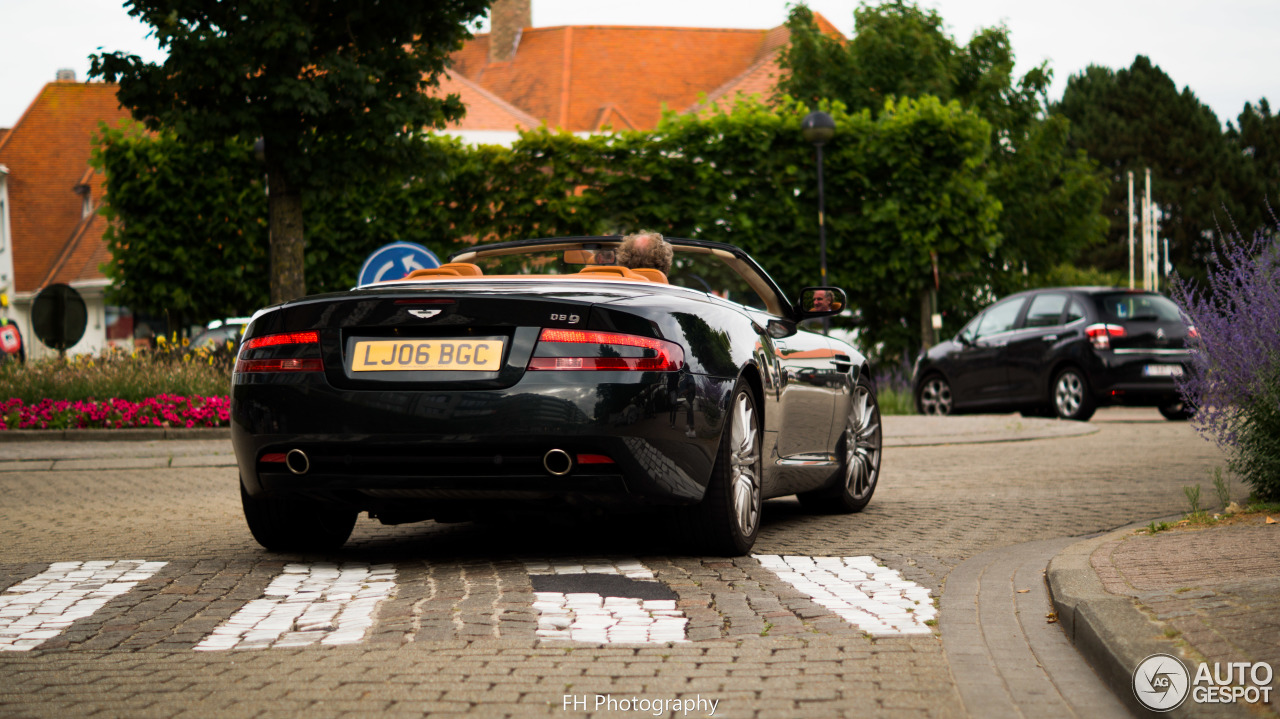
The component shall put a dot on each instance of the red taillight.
(275, 458)
(281, 364)
(669, 356)
(1100, 335)
(289, 338)
(1193, 333)
(594, 459)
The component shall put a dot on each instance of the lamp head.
(817, 127)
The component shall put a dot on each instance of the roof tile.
(47, 153)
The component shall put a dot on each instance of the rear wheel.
(1176, 411)
(934, 396)
(727, 519)
(296, 524)
(1071, 396)
(860, 458)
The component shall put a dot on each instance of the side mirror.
(821, 302)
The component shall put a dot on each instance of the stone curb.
(114, 435)
(1110, 631)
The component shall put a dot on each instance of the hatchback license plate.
(1162, 370)
(472, 355)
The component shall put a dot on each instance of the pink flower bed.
(165, 410)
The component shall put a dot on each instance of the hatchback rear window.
(1138, 307)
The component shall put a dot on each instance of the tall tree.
(1136, 118)
(1258, 140)
(1049, 192)
(336, 90)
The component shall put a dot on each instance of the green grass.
(896, 401)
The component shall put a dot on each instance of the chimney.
(507, 19)
(66, 74)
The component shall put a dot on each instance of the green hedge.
(189, 235)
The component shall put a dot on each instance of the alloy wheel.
(935, 397)
(862, 442)
(744, 459)
(1068, 395)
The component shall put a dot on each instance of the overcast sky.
(1227, 51)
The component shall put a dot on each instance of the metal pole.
(1131, 218)
(822, 237)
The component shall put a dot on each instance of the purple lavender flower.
(1235, 379)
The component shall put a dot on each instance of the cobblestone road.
(459, 633)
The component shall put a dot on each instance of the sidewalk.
(1202, 595)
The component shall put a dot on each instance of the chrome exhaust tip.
(297, 461)
(557, 462)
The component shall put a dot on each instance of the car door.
(1032, 345)
(807, 389)
(979, 375)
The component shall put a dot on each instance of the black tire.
(727, 520)
(1177, 411)
(296, 524)
(859, 452)
(934, 396)
(1072, 398)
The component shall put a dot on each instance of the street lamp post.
(817, 128)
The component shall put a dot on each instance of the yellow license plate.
(483, 355)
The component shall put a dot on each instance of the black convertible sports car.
(537, 374)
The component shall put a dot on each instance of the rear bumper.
(1128, 379)
(629, 440)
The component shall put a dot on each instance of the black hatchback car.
(1060, 351)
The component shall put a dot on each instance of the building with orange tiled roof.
(50, 231)
(590, 78)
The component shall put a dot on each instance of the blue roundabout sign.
(394, 261)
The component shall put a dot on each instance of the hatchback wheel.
(1071, 396)
(934, 396)
(1177, 411)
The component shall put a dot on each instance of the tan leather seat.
(449, 269)
(651, 274)
(612, 271)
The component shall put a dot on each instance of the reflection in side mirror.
(780, 329)
(822, 301)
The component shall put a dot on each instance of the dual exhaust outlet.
(557, 462)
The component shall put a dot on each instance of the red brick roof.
(47, 153)
(485, 110)
(585, 77)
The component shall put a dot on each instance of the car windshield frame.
(736, 260)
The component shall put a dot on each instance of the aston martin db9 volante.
(537, 374)
(1061, 351)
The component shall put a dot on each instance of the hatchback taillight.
(1100, 335)
(301, 340)
(607, 352)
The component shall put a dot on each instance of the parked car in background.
(1060, 351)
(218, 332)
(534, 375)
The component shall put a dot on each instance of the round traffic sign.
(59, 316)
(394, 261)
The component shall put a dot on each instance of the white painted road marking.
(42, 607)
(321, 603)
(873, 598)
(601, 619)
